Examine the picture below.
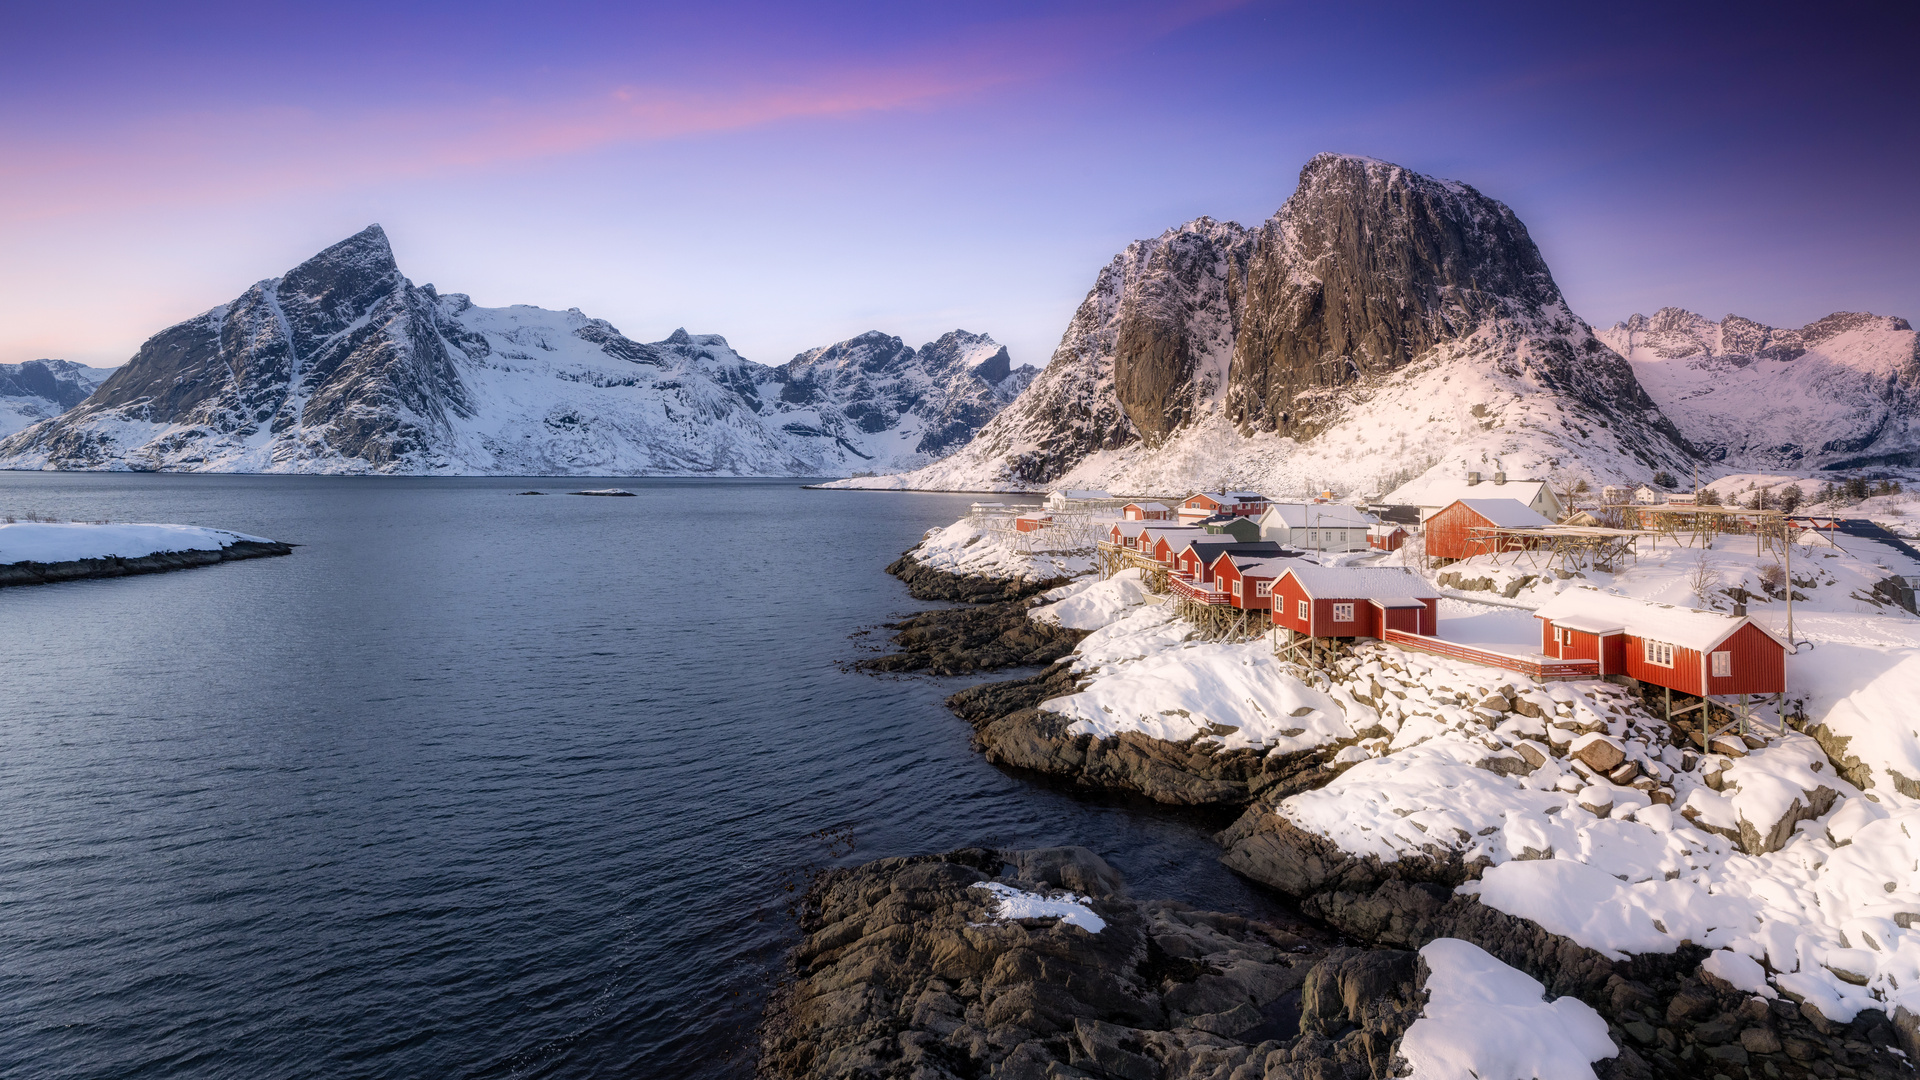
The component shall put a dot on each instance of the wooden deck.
(1200, 594)
(1538, 667)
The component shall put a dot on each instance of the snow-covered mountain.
(33, 390)
(344, 365)
(1381, 325)
(1841, 392)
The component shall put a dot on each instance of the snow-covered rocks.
(1485, 1021)
(39, 552)
(1092, 603)
(971, 550)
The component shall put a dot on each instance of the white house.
(1433, 494)
(1316, 526)
(1647, 495)
(1067, 498)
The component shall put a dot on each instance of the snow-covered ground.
(1146, 677)
(1486, 1021)
(51, 541)
(964, 548)
(1804, 883)
(1090, 603)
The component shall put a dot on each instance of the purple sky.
(790, 175)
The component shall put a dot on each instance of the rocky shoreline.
(904, 972)
(924, 582)
(38, 573)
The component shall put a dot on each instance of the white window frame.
(1722, 665)
(1236, 588)
(1306, 611)
(1339, 609)
(1657, 653)
(1263, 588)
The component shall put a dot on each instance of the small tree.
(1664, 479)
(1773, 579)
(1758, 501)
(1856, 489)
(1790, 498)
(1702, 580)
(1582, 487)
(1708, 497)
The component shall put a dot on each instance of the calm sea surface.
(471, 784)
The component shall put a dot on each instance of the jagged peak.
(361, 259)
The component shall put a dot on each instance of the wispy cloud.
(207, 155)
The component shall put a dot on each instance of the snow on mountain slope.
(1159, 321)
(1380, 325)
(34, 390)
(1837, 393)
(344, 365)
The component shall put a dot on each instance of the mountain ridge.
(344, 365)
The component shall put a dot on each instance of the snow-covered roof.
(1157, 529)
(1149, 505)
(1505, 513)
(1319, 515)
(1685, 627)
(1397, 601)
(1443, 490)
(1132, 528)
(1360, 582)
(1260, 565)
(1229, 496)
(1212, 545)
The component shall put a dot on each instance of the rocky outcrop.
(908, 969)
(37, 573)
(1012, 731)
(960, 641)
(925, 582)
(1383, 321)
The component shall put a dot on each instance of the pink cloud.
(199, 157)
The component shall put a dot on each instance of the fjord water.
(473, 783)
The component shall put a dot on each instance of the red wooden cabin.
(1354, 601)
(1386, 537)
(1703, 653)
(1456, 531)
(1126, 534)
(1150, 511)
(1194, 558)
(1205, 504)
(1248, 579)
(1032, 522)
(1165, 541)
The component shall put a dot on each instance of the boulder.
(1601, 753)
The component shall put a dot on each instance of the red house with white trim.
(1386, 536)
(1354, 601)
(1163, 542)
(1248, 579)
(1206, 504)
(1458, 530)
(1704, 653)
(1194, 558)
(1148, 511)
(1032, 522)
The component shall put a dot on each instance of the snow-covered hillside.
(1382, 324)
(1840, 392)
(343, 365)
(33, 390)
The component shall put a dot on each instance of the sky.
(791, 174)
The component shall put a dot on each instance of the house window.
(1236, 588)
(1263, 588)
(1306, 611)
(1343, 613)
(1659, 653)
(1722, 665)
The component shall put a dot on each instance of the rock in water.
(910, 968)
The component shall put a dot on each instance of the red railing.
(1539, 669)
(1199, 594)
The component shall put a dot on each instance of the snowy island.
(42, 552)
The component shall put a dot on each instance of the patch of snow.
(1012, 903)
(1092, 604)
(51, 542)
(1486, 1021)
